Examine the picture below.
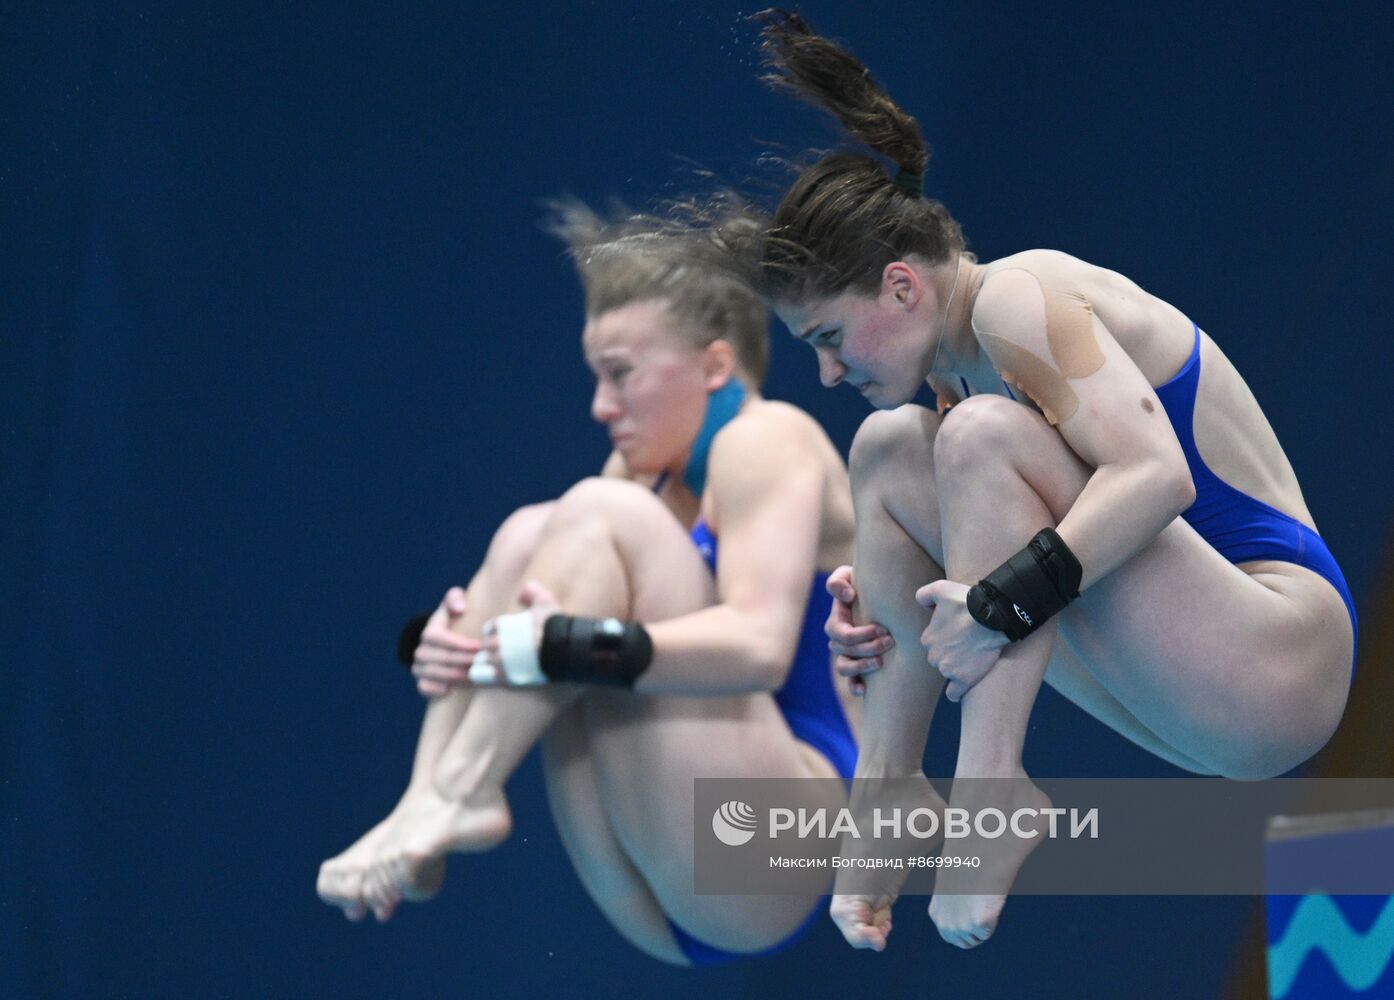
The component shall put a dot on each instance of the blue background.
(282, 343)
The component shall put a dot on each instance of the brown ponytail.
(846, 217)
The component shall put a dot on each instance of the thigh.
(609, 876)
(1230, 666)
(1246, 670)
(1068, 674)
(648, 751)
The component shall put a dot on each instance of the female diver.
(1099, 502)
(728, 676)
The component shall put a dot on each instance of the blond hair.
(634, 258)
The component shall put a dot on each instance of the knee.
(978, 430)
(516, 539)
(601, 498)
(892, 440)
(606, 510)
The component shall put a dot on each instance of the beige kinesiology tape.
(1074, 351)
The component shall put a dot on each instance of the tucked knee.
(896, 439)
(516, 539)
(607, 498)
(978, 429)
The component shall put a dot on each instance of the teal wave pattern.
(1317, 924)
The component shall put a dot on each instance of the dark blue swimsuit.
(811, 707)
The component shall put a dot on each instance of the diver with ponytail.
(1083, 508)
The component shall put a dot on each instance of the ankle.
(465, 786)
(988, 763)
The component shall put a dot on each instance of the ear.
(718, 364)
(901, 282)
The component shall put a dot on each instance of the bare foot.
(410, 862)
(340, 880)
(967, 918)
(863, 897)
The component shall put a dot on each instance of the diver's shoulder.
(776, 415)
(1040, 261)
(770, 423)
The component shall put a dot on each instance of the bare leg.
(609, 875)
(628, 822)
(972, 481)
(493, 586)
(1239, 670)
(897, 551)
(466, 810)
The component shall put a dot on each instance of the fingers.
(434, 682)
(847, 666)
(861, 642)
(431, 689)
(958, 684)
(442, 661)
(445, 673)
(535, 593)
(840, 585)
(487, 668)
(846, 638)
(930, 594)
(858, 685)
(858, 638)
(454, 602)
(448, 643)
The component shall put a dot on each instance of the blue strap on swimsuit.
(1236, 525)
(809, 703)
(807, 700)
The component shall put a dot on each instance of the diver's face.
(650, 384)
(874, 343)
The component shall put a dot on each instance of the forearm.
(1119, 512)
(717, 651)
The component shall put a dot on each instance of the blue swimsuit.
(810, 706)
(1236, 525)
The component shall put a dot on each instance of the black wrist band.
(410, 637)
(594, 650)
(1019, 596)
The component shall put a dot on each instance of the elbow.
(1183, 489)
(769, 666)
(1167, 480)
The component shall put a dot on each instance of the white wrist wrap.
(517, 653)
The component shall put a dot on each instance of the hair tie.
(909, 183)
